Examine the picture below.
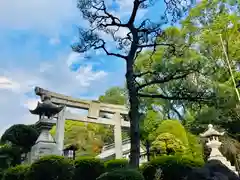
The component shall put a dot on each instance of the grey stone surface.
(45, 144)
(94, 108)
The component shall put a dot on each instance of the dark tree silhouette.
(140, 36)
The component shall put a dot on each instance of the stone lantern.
(45, 144)
(214, 144)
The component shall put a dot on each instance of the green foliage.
(172, 167)
(173, 127)
(167, 143)
(149, 124)
(51, 168)
(10, 156)
(114, 95)
(88, 137)
(171, 138)
(195, 147)
(88, 168)
(20, 135)
(116, 164)
(16, 173)
(126, 174)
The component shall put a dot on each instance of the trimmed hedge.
(172, 167)
(51, 168)
(116, 164)
(16, 173)
(122, 174)
(88, 168)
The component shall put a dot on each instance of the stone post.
(118, 136)
(59, 137)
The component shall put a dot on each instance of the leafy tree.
(114, 95)
(20, 135)
(171, 126)
(141, 35)
(148, 124)
(205, 33)
(117, 96)
(9, 156)
(170, 137)
(16, 140)
(167, 143)
(88, 137)
(185, 76)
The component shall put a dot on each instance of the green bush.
(51, 168)
(10, 156)
(1, 175)
(172, 167)
(116, 164)
(16, 173)
(122, 174)
(88, 169)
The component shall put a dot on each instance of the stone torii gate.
(94, 109)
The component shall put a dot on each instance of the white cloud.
(6, 83)
(12, 110)
(55, 76)
(17, 80)
(86, 75)
(74, 58)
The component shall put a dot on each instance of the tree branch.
(134, 12)
(188, 98)
(156, 44)
(145, 73)
(109, 53)
(164, 80)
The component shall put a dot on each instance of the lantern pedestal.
(45, 144)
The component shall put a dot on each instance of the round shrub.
(116, 164)
(88, 168)
(16, 173)
(122, 174)
(172, 167)
(50, 168)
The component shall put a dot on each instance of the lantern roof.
(46, 107)
(211, 132)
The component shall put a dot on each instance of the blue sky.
(35, 50)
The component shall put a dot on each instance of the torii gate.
(94, 108)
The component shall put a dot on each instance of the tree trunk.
(134, 119)
(134, 114)
(148, 150)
